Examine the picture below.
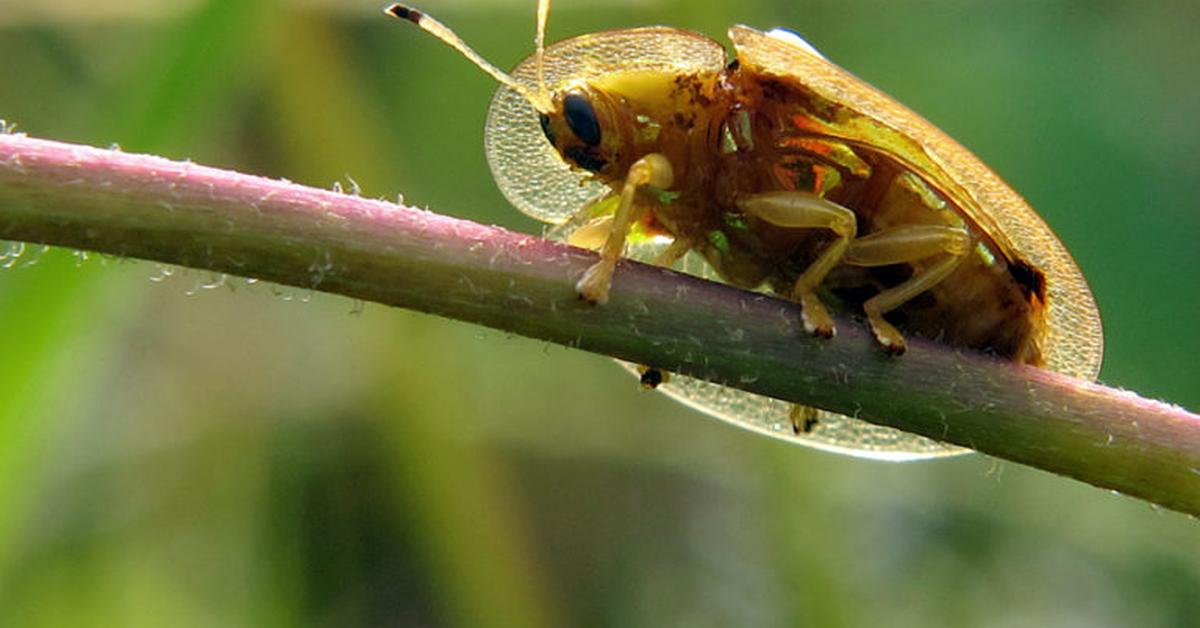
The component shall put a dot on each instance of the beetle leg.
(805, 210)
(653, 169)
(804, 419)
(592, 234)
(900, 245)
(673, 253)
(649, 376)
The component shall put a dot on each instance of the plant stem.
(181, 213)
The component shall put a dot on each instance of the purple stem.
(182, 213)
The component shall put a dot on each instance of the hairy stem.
(181, 213)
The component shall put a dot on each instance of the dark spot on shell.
(772, 89)
(1031, 280)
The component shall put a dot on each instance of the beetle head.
(581, 127)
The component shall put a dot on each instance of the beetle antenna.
(543, 16)
(539, 99)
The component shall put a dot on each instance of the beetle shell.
(1073, 342)
(726, 130)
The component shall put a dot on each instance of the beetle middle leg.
(806, 210)
(653, 169)
(593, 235)
(652, 377)
(949, 245)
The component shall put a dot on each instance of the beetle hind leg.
(795, 209)
(947, 245)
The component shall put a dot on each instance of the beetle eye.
(581, 118)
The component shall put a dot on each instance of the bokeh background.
(184, 449)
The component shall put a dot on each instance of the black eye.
(581, 118)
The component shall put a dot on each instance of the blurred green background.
(187, 450)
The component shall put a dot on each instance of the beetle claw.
(593, 286)
(887, 335)
(815, 317)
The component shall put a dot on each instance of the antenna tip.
(404, 13)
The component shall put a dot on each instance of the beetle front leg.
(806, 210)
(592, 236)
(901, 245)
(653, 169)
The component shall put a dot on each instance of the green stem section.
(181, 213)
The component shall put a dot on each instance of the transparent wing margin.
(772, 417)
(1074, 342)
(534, 178)
(528, 171)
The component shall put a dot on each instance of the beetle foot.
(651, 377)
(816, 318)
(804, 419)
(593, 286)
(888, 336)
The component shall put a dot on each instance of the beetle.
(781, 171)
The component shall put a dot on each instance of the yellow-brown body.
(733, 133)
(781, 170)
